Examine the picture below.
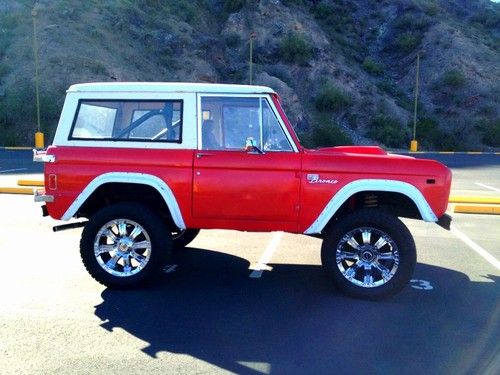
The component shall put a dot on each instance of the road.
(18, 162)
(208, 315)
(473, 174)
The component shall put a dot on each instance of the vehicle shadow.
(292, 321)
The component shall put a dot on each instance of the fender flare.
(371, 185)
(129, 178)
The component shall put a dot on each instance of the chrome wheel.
(369, 254)
(367, 257)
(122, 247)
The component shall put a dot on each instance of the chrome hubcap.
(122, 247)
(367, 257)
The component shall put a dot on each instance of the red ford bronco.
(150, 164)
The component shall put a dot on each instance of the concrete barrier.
(487, 209)
(16, 190)
(474, 199)
(30, 183)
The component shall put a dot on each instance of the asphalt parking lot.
(252, 303)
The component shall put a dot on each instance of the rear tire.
(125, 245)
(369, 254)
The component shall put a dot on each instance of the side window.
(94, 121)
(129, 120)
(232, 123)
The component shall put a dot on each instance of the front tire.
(369, 254)
(125, 245)
(182, 238)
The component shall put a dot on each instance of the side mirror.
(251, 146)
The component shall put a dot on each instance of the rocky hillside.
(344, 68)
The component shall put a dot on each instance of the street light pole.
(252, 37)
(39, 138)
(414, 143)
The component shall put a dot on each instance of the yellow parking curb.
(30, 183)
(474, 199)
(26, 191)
(477, 209)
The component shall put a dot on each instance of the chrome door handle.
(199, 155)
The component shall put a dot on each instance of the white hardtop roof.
(214, 88)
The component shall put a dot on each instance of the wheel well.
(112, 193)
(396, 203)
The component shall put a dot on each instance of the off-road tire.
(153, 236)
(181, 239)
(360, 271)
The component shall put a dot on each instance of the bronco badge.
(315, 179)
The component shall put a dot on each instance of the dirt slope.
(345, 68)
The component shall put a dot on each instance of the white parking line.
(13, 170)
(266, 256)
(487, 186)
(478, 249)
(170, 268)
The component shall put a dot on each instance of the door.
(245, 168)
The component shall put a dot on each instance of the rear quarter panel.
(76, 167)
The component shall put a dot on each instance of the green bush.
(7, 136)
(324, 133)
(429, 134)
(388, 131)
(280, 71)
(490, 130)
(332, 99)
(337, 20)
(187, 11)
(322, 11)
(410, 22)
(232, 40)
(11, 20)
(292, 2)
(389, 87)
(454, 78)
(372, 67)
(4, 69)
(407, 42)
(95, 66)
(487, 18)
(295, 48)
(231, 6)
(431, 9)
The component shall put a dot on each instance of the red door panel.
(236, 185)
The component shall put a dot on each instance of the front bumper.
(444, 221)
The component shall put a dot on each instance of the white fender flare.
(129, 178)
(371, 185)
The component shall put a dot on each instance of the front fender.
(371, 185)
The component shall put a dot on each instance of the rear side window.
(123, 120)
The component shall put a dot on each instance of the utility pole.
(253, 35)
(414, 143)
(39, 138)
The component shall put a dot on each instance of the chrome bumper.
(40, 196)
(40, 156)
